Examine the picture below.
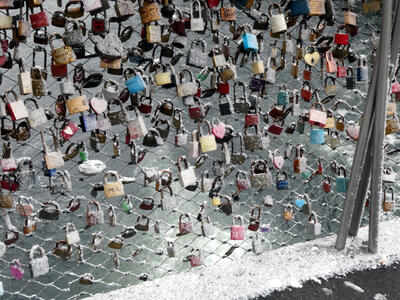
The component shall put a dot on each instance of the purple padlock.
(16, 269)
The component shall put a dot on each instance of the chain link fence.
(145, 255)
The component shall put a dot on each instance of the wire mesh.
(145, 253)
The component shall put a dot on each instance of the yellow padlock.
(164, 77)
(207, 142)
(77, 104)
(113, 189)
(216, 201)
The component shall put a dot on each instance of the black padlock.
(350, 79)
(225, 108)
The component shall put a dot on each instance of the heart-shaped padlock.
(312, 56)
(218, 129)
(353, 130)
(278, 160)
(99, 105)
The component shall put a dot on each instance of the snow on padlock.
(314, 228)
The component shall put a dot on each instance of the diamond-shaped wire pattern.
(150, 248)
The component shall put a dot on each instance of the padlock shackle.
(95, 203)
(237, 217)
(184, 160)
(110, 173)
(388, 188)
(313, 215)
(274, 5)
(36, 248)
(186, 215)
(258, 209)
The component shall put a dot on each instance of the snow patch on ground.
(273, 270)
(380, 297)
(327, 291)
(354, 287)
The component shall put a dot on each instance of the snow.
(354, 287)
(380, 297)
(279, 269)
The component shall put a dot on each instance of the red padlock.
(7, 183)
(252, 118)
(395, 87)
(326, 184)
(306, 91)
(341, 38)
(68, 130)
(341, 70)
(58, 71)
(145, 108)
(39, 19)
(213, 3)
(98, 25)
(223, 88)
(276, 128)
(307, 73)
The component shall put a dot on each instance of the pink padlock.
(218, 129)
(237, 231)
(195, 260)
(16, 269)
(185, 227)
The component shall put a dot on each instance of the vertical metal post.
(379, 124)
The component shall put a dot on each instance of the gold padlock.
(111, 64)
(257, 66)
(62, 55)
(153, 33)
(317, 7)
(24, 81)
(112, 189)
(77, 104)
(164, 77)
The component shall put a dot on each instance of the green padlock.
(127, 205)
(83, 153)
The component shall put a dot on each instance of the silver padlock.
(314, 228)
(171, 249)
(256, 244)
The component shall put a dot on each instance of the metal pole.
(379, 125)
(361, 192)
(363, 186)
(358, 161)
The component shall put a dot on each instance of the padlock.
(260, 176)
(207, 142)
(153, 33)
(276, 127)
(24, 206)
(282, 181)
(388, 205)
(71, 234)
(94, 216)
(314, 227)
(317, 117)
(254, 223)
(16, 269)
(170, 249)
(278, 22)
(17, 108)
(237, 231)
(207, 227)
(306, 93)
(195, 260)
(341, 180)
(341, 38)
(326, 184)
(194, 146)
(185, 227)
(196, 19)
(330, 88)
(257, 66)
(353, 130)
(294, 68)
(334, 140)
(239, 157)
(330, 63)
(127, 205)
(254, 141)
(54, 159)
(243, 105)
(186, 175)
(270, 74)
(362, 70)
(39, 265)
(317, 136)
(112, 189)
(197, 57)
(228, 13)
(135, 82)
(249, 40)
(185, 88)
(62, 55)
(317, 7)
(340, 123)
(312, 56)
(137, 127)
(371, 6)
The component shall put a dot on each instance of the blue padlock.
(88, 122)
(239, 3)
(317, 136)
(135, 84)
(250, 42)
(341, 181)
(281, 181)
(362, 70)
(47, 172)
(299, 7)
(283, 96)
